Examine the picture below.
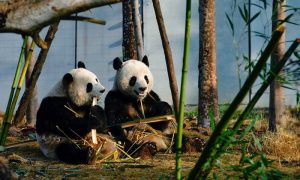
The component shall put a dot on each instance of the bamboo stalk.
(183, 88)
(8, 120)
(13, 87)
(168, 55)
(35, 74)
(203, 164)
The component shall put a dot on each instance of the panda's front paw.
(146, 151)
(90, 156)
(93, 121)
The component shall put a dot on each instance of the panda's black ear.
(117, 63)
(81, 64)
(67, 79)
(145, 60)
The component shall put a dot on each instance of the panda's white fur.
(129, 69)
(77, 90)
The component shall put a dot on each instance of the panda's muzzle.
(141, 91)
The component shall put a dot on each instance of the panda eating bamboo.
(66, 117)
(132, 98)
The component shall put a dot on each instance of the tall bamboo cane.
(14, 85)
(183, 87)
(204, 162)
(10, 108)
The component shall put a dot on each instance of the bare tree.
(276, 106)
(208, 93)
(33, 102)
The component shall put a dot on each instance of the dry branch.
(85, 19)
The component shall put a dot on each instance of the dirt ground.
(27, 162)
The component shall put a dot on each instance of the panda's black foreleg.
(72, 154)
(159, 109)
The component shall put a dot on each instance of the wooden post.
(168, 55)
(35, 74)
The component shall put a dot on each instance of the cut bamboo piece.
(93, 131)
(148, 120)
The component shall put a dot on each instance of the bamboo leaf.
(230, 23)
(262, 35)
(264, 3)
(246, 12)
(243, 15)
(287, 20)
(253, 18)
(297, 55)
(257, 5)
(248, 128)
(256, 142)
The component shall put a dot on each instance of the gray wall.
(99, 45)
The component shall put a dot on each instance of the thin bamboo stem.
(203, 164)
(183, 88)
(249, 44)
(7, 121)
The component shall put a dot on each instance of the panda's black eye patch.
(132, 81)
(146, 79)
(89, 87)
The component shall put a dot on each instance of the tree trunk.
(208, 93)
(276, 106)
(33, 102)
(138, 29)
(129, 46)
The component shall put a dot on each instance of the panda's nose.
(102, 91)
(142, 88)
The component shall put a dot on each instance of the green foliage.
(191, 114)
(252, 165)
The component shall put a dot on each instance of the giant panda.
(132, 97)
(66, 117)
